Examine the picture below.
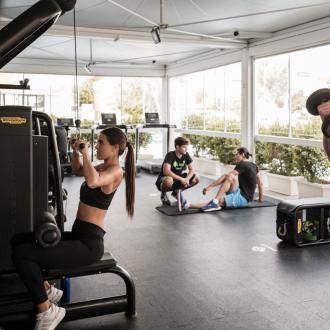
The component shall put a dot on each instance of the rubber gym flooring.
(222, 270)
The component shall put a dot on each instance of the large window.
(129, 98)
(282, 85)
(207, 100)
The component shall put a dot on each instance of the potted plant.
(218, 153)
(312, 163)
(283, 174)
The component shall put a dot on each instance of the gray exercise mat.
(173, 209)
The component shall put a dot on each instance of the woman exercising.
(84, 244)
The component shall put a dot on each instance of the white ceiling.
(118, 37)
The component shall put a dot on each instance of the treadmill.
(108, 120)
(152, 122)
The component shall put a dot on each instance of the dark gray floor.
(225, 270)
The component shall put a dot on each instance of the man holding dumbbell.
(324, 111)
(318, 103)
(84, 244)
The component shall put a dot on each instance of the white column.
(165, 115)
(248, 122)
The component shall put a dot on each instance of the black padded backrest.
(62, 143)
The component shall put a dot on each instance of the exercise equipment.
(35, 20)
(152, 122)
(27, 207)
(27, 143)
(78, 123)
(79, 310)
(62, 129)
(172, 210)
(304, 222)
(314, 100)
(29, 190)
(47, 233)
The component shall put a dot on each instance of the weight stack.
(16, 200)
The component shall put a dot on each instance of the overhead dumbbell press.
(314, 100)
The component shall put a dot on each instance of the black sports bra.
(95, 197)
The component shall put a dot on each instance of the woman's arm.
(76, 165)
(94, 178)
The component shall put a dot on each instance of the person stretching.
(236, 187)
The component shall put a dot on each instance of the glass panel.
(178, 101)
(308, 72)
(271, 95)
(232, 97)
(195, 100)
(209, 100)
(214, 100)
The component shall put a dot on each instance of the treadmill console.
(109, 119)
(152, 118)
(65, 122)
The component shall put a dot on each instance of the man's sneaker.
(184, 203)
(50, 319)
(164, 199)
(211, 206)
(54, 294)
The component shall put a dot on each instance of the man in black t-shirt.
(177, 173)
(236, 188)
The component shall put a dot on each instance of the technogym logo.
(13, 120)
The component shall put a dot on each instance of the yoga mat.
(173, 209)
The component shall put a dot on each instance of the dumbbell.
(47, 233)
(314, 100)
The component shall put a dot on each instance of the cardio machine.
(152, 122)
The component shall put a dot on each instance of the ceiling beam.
(117, 35)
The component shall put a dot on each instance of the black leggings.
(82, 246)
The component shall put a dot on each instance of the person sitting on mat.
(236, 188)
(177, 173)
(84, 244)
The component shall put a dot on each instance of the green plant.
(86, 92)
(290, 160)
(219, 148)
(312, 163)
(278, 158)
(198, 142)
(144, 139)
(264, 154)
(223, 149)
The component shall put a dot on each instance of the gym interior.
(223, 75)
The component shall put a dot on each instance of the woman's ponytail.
(130, 173)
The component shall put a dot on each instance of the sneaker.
(54, 294)
(164, 199)
(211, 206)
(50, 319)
(184, 203)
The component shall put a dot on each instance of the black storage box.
(304, 221)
